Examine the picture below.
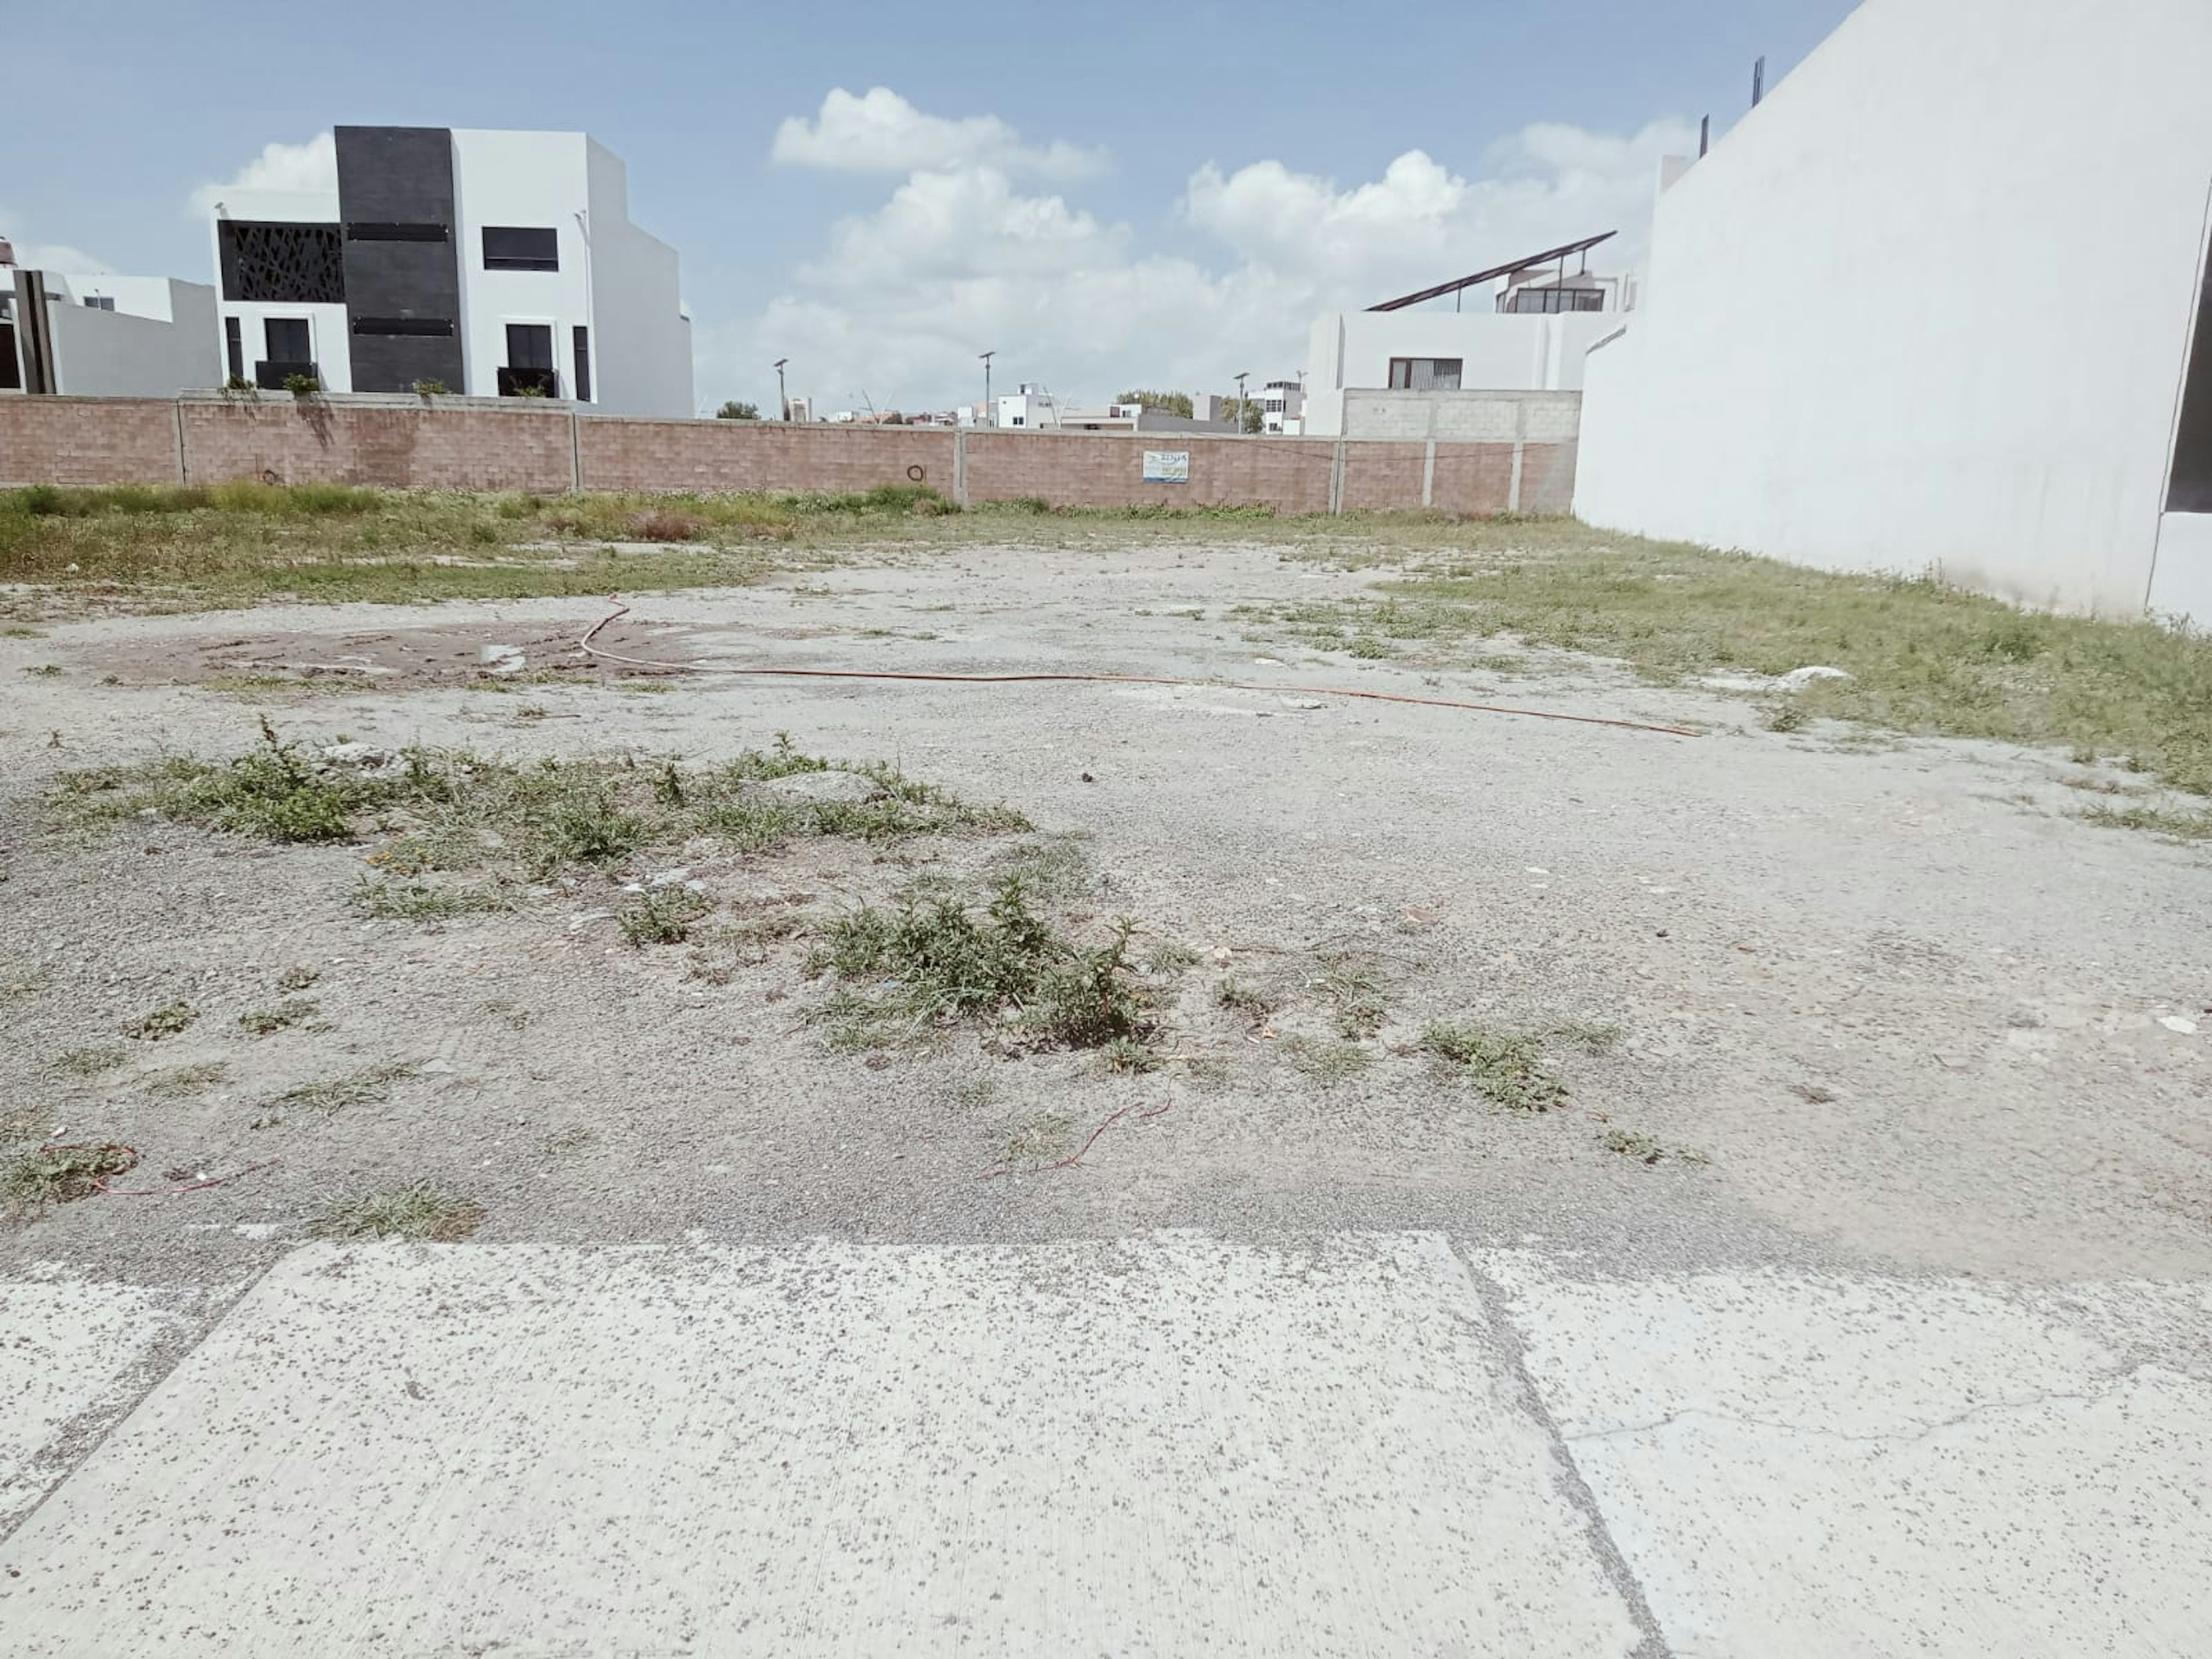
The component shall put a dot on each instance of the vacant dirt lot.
(1785, 995)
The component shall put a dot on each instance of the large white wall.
(643, 339)
(536, 180)
(1927, 305)
(326, 324)
(1350, 351)
(136, 353)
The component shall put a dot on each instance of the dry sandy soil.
(1880, 1004)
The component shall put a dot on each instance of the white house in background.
(95, 334)
(1283, 407)
(494, 264)
(1902, 317)
(1529, 336)
(1032, 408)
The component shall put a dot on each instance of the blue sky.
(1158, 195)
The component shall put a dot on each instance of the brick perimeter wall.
(477, 445)
(88, 440)
(289, 441)
(737, 455)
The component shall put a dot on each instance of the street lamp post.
(990, 409)
(1240, 378)
(780, 395)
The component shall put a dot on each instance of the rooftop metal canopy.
(1492, 275)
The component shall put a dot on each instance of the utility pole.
(1240, 378)
(990, 408)
(781, 397)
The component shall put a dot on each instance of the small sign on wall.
(1167, 467)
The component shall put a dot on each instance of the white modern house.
(1529, 334)
(96, 334)
(1283, 408)
(1032, 408)
(1939, 301)
(489, 262)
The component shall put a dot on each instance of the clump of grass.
(62, 1175)
(665, 525)
(157, 1024)
(945, 962)
(182, 1081)
(1041, 1138)
(273, 793)
(45, 671)
(1787, 716)
(663, 916)
(1595, 1037)
(262, 1021)
(422, 1211)
(90, 1062)
(389, 899)
(1358, 999)
(1645, 1149)
(1328, 1064)
(370, 1086)
(2174, 826)
(1170, 956)
(1369, 646)
(1239, 997)
(1507, 1067)
(297, 977)
(1128, 1054)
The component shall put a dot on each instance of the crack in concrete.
(1895, 1440)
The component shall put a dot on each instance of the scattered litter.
(2180, 1022)
(1268, 662)
(1303, 703)
(503, 660)
(1534, 870)
(353, 754)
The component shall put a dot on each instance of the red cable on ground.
(100, 1181)
(1070, 1163)
(621, 610)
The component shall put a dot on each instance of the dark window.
(380, 232)
(11, 372)
(286, 339)
(98, 302)
(234, 348)
(529, 345)
(280, 263)
(429, 327)
(2189, 488)
(583, 364)
(1424, 374)
(512, 247)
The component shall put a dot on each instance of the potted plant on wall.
(302, 385)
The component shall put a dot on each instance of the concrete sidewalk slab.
(67, 1349)
(1832, 1469)
(1169, 1446)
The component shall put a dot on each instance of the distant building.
(1283, 407)
(800, 409)
(1033, 408)
(494, 264)
(1529, 336)
(2037, 424)
(93, 334)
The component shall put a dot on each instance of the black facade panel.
(400, 177)
(2188, 489)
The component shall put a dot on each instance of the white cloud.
(310, 166)
(881, 132)
(958, 260)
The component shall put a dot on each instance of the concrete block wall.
(483, 444)
(474, 443)
(1464, 416)
(89, 441)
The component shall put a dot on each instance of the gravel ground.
(1906, 1010)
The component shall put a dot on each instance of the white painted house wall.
(1350, 351)
(326, 324)
(157, 345)
(643, 335)
(1927, 306)
(537, 181)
